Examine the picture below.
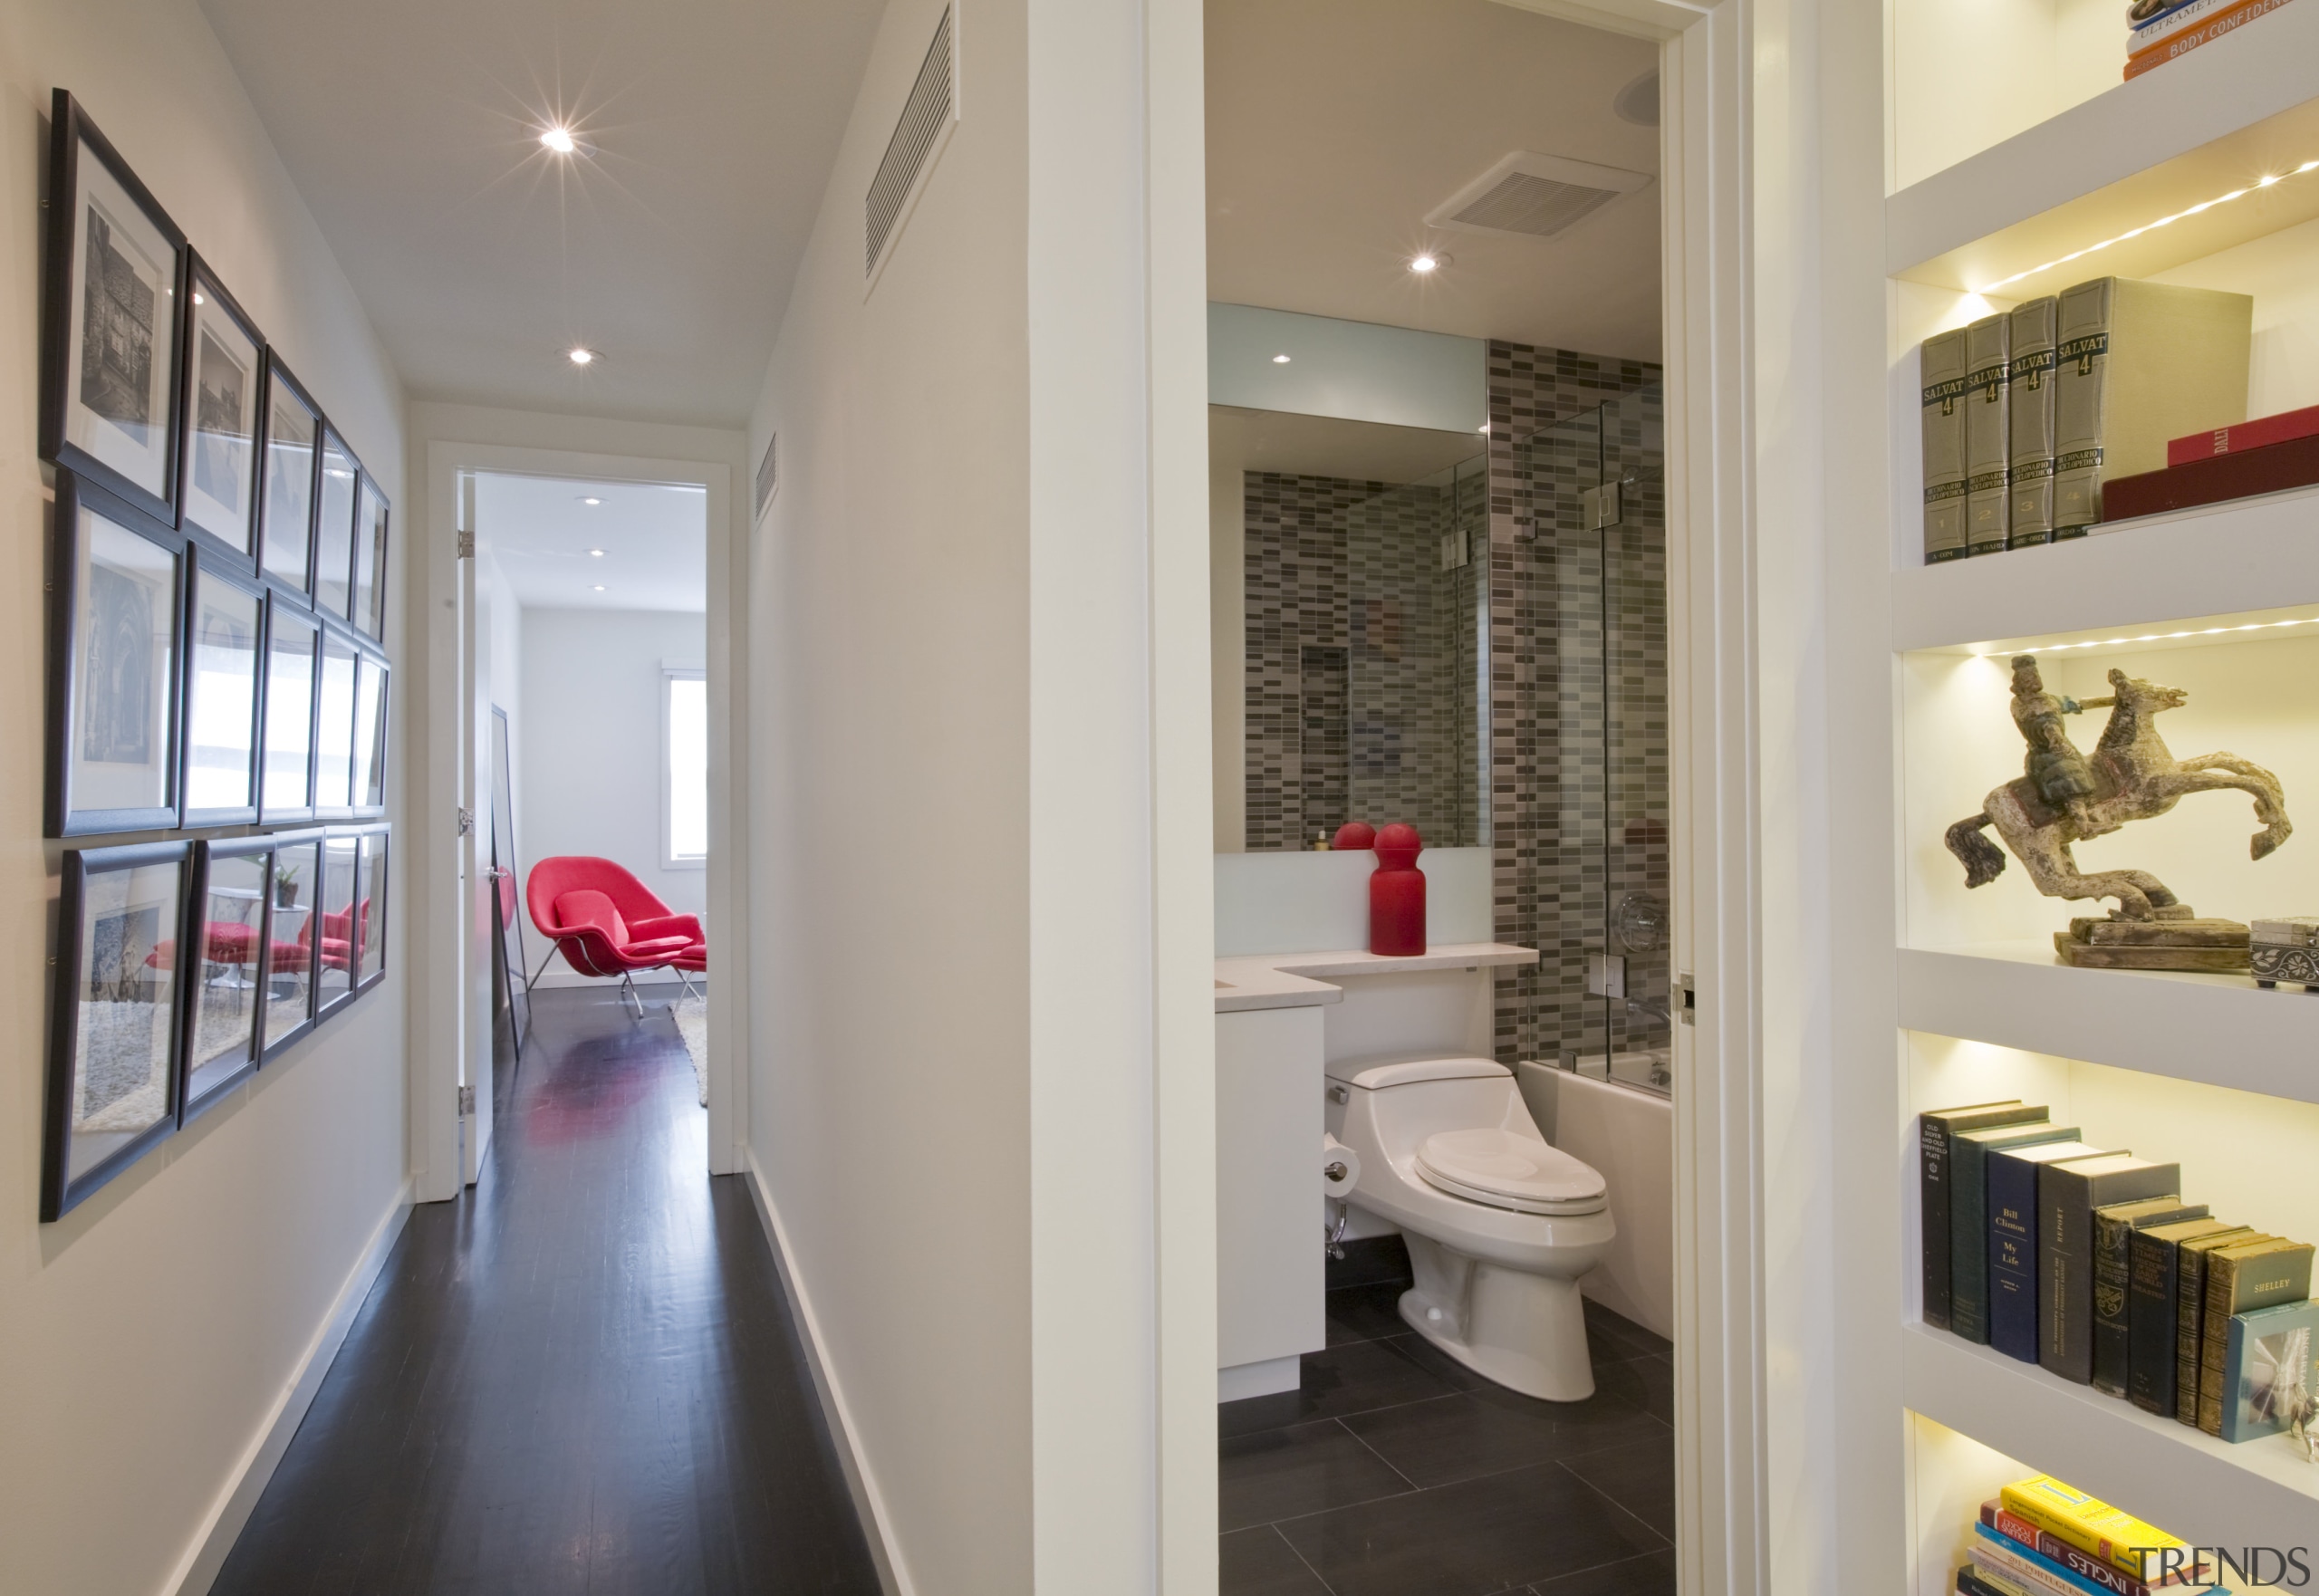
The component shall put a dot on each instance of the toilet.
(1500, 1224)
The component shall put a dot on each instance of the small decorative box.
(2285, 949)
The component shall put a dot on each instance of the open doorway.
(1440, 599)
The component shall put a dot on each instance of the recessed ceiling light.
(1428, 262)
(583, 356)
(1482, 428)
(1280, 359)
(598, 588)
(197, 299)
(590, 499)
(559, 139)
(596, 553)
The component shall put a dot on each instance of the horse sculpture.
(2067, 797)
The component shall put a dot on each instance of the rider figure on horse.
(2059, 773)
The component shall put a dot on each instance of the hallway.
(581, 1376)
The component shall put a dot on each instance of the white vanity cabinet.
(1268, 1242)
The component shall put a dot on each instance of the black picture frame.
(374, 698)
(106, 953)
(373, 518)
(202, 514)
(223, 963)
(207, 568)
(370, 906)
(104, 342)
(106, 693)
(287, 471)
(287, 719)
(334, 917)
(291, 963)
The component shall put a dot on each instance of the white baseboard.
(198, 1570)
(1269, 1377)
(869, 1504)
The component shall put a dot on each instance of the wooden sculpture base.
(2186, 943)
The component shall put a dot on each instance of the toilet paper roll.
(1339, 1166)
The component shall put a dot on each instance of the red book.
(2293, 463)
(2034, 1540)
(2258, 433)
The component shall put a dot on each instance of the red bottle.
(1397, 895)
(1354, 836)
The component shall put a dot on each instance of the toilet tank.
(1405, 1100)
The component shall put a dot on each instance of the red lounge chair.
(608, 924)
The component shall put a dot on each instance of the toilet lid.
(1509, 1172)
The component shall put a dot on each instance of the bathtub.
(1627, 1132)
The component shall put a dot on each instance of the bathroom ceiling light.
(1280, 359)
(1428, 262)
(2206, 205)
(560, 140)
(590, 499)
(598, 588)
(581, 355)
(595, 553)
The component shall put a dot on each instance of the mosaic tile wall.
(1362, 681)
(1578, 695)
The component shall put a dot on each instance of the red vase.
(1397, 895)
(1354, 836)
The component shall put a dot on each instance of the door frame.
(440, 905)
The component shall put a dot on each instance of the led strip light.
(2261, 183)
(2154, 636)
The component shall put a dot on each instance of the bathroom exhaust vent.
(927, 118)
(1537, 195)
(766, 472)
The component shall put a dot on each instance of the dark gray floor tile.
(1307, 1468)
(1472, 1539)
(1350, 1379)
(1258, 1562)
(1366, 1312)
(1369, 1261)
(1475, 1433)
(1653, 1575)
(1614, 1335)
(1639, 1476)
(1658, 1386)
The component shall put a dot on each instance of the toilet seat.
(1503, 1170)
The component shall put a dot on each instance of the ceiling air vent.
(926, 120)
(766, 469)
(1537, 195)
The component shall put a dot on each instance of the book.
(2223, 477)
(2240, 1280)
(2266, 1362)
(2014, 1567)
(2031, 1539)
(1934, 1131)
(1969, 1218)
(1975, 1580)
(2067, 1195)
(2113, 1229)
(2029, 423)
(1942, 372)
(2205, 31)
(2102, 1532)
(2258, 433)
(1988, 436)
(2174, 20)
(2190, 1316)
(2013, 1241)
(2135, 364)
(2151, 1314)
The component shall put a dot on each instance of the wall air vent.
(928, 116)
(766, 469)
(1538, 196)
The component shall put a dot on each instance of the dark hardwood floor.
(582, 1376)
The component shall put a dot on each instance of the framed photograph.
(371, 561)
(287, 993)
(293, 650)
(293, 425)
(222, 962)
(334, 728)
(334, 528)
(217, 453)
(225, 637)
(115, 1040)
(116, 636)
(370, 736)
(370, 910)
(110, 343)
(334, 932)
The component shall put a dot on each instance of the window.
(684, 766)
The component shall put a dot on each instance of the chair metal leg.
(687, 979)
(628, 987)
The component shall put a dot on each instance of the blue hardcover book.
(2266, 1366)
(2013, 1240)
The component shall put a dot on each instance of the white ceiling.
(539, 530)
(670, 244)
(1333, 126)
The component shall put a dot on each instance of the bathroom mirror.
(1351, 637)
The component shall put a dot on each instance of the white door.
(476, 885)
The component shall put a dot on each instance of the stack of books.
(2174, 31)
(2269, 454)
(2086, 1262)
(2041, 1538)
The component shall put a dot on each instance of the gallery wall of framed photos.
(216, 671)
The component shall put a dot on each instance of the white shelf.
(2247, 559)
(2196, 127)
(2220, 1030)
(2207, 1491)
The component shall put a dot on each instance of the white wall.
(146, 1338)
(591, 746)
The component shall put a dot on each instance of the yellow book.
(2094, 1528)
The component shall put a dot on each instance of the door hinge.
(467, 1102)
(466, 820)
(1603, 505)
(467, 545)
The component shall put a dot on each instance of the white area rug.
(691, 1016)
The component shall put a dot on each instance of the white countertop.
(1297, 980)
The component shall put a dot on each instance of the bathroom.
(1439, 598)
